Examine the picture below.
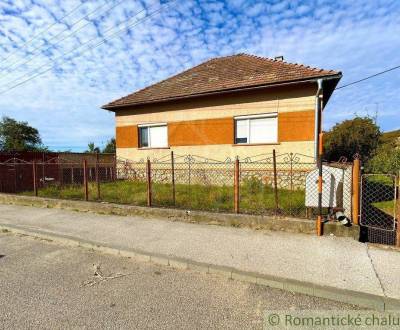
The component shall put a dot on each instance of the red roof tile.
(221, 74)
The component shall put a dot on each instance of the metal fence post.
(113, 169)
(15, 177)
(35, 191)
(148, 175)
(190, 180)
(291, 184)
(43, 173)
(236, 185)
(275, 182)
(173, 178)
(85, 180)
(355, 203)
(97, 176)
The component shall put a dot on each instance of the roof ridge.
(286, 62)
(223, 57)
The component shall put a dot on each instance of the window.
(256, 129)
(153, 136)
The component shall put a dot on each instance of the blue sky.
(356, 37)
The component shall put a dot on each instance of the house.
(240, 105)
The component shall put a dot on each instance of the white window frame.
(248, 118)
(149, 125)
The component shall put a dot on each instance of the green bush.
(356, 136)
(385, 160)
(252, 185)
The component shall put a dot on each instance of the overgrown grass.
(64, 192)
(121, 191)
(382, 179)
(388, 207)
(195, 196)
(255, 197)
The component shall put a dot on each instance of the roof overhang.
(329, 84)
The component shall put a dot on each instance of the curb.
(265, 222)
(375, 302)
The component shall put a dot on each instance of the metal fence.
(282, 185)
(379, 208)
(266, 184)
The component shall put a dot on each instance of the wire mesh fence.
(282, 185)
(378, 201)
(380, 209)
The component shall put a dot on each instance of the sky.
(61, 60)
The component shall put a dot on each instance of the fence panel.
(61, 180)
(127, 185)
(275, 185)
(378, 201)
(192, 182)
(162, 184)
(8, 178)
(211, 186)
(182, 179)
(257, 193)
(23, 174)
(103, 185)
(379, 208)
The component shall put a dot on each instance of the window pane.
(242, 131)
(158, 136)
(263, 130)
(143, 136)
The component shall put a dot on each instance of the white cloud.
(358, 38)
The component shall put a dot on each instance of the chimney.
(279, 58)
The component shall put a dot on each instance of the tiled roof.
(221, 74)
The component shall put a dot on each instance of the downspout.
(318, 111)
(318, 144)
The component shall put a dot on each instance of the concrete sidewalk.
(337, 268)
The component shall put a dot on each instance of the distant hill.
(391, 136)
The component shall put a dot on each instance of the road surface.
(45, 285)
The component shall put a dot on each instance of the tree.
(110, 146)
(19, 136)
(92, 148)
(356, 136)
(385, 160)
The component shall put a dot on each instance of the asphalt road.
(44, 285)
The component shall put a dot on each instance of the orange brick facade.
(292, 126)
(296, 126)
(127, 136)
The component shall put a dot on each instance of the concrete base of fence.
(292, 225)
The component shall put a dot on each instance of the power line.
(163, 6)
(43, 31)
(53, 37)
(369, 77)
(68, 52)
(62, 39)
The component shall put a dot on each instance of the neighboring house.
(235, 105)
